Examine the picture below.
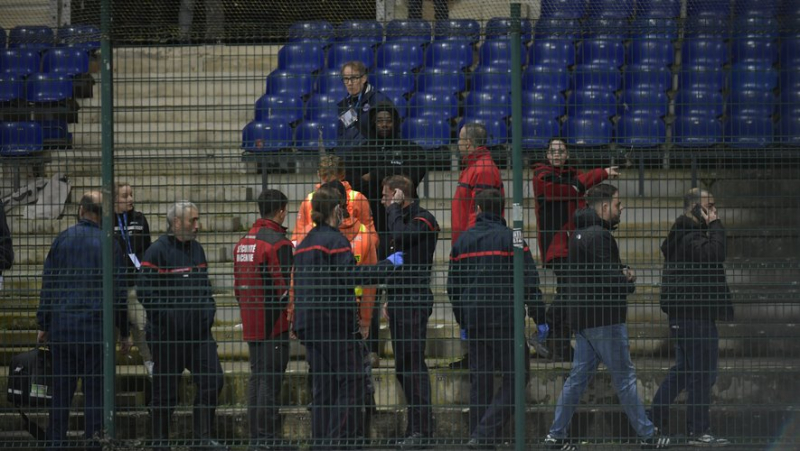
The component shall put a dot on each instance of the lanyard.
(124, 231)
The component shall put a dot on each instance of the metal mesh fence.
(238, 342)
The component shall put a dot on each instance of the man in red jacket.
(559, 191)
(262, 270)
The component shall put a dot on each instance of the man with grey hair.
(176, 293)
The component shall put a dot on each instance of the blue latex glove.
(396, 258)
(544, 330)
(464, 334)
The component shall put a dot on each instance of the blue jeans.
(609, 345)
(695, 370)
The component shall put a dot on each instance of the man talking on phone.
(695, 294)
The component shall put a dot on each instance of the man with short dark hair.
(262, 266)
(695, 294)
(481, 287)
(354, 123)
(70, 319)
(596, 293)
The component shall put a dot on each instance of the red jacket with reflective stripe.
(479, 173)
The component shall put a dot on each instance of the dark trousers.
(695, 370)
(339, 393)
(556, 316)
(73, 361)
(439, 7)
(268, 361)
(490, 411)
(171, 356)
(409, 325)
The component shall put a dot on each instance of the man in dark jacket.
(6, 245)
(481, 287)
(70, 319)
(176, 293)
(596, 297)
(413, 231)
(695, 294)
(262, 268)
(354, 124)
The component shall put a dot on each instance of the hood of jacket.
(588, 217)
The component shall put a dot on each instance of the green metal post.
(519, 262)
(107, 131)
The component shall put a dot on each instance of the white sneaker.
(708, 441)
(148, 365)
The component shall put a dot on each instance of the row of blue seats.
(39, 88)
(68, 61)
(24, 138)
(39, 37)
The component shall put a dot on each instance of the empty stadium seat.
(329, 82)
(19, 62)
(557, 29)
(321, 106)
(647, 78)
(66, 61)
(651, 53)
(762, 8)
(267, 136)
(86, 37)
(748, 131)
(399, 56)
(645, 28)
(468, 30)
(496, 128)
(341, 53)
(48, 87)
(705, 27)
(698, 102)
(320, 31)
(558, 53)
(491, 79)
(563, 9)
(542, 104)
(434, 104)
(487, 103)
(701, 78)
(709, 8)
(754, 51)
(417, 31)
(441, 80)
(615, 9)
(641, 130)
(282, 82)
(697, 121)
(790, 53)
(309, 134)
(643, 101)
(11, 88)
(600, 53)
(545, 77)
(588, 130)
(450, 54)
(427, 132)
(595, 78)
(388, 80)
(500, 28)
(366, 31)
(709, 53)
(537, 131)
(32, 37)
(788, 129)
(599, 103)
(751, 77)
(301, 57)
(400, 103)
(20, 138)
(658, 8)
(497, 53)
(790, 80)
(286, 108)
(609, 29)
(751, 103)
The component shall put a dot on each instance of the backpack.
(30, 384)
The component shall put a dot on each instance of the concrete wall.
(24, 12)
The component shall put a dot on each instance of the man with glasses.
(354, 123)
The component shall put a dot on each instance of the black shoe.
(559, 443)
(655, 442)
(479, 444)
(462, 364)
(414, 441)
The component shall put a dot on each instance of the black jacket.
(596, 289)
(325, 274)
(175, 290)
(356, 133)
(414, 231)
(138, 231)
(480, 280)
(693, 284)
(6, 244)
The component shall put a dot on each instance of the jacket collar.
(89, 223)
(476, 155)
(269, 224)
(490, 218)
(587, 217)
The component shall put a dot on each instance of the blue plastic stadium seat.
(643, 101)
(763, 8)
(301, 57)
(321, 106)
(309, 134)
(747, 77)
(500, 27)
(599, 103)
(341, 53)
(558, 29)
(488, 103)
(269, 135)
(537, 131)
(450, 54)
(748, 131)
(20, 138)
(366, 31)
(417, 31)
(588, 130)
(388, 80)
(32, 37)
(706, 27)
(788, 128)
(491, 79)
(400, 103)
(282, 82)
(496, 129)
(329, 82)
(600, 52)
(697, 121)
(399, 56)
(751, 103)
(320, 31)
(427, 132)
(48, 87)
(11, 88)
(790, 52)
(658, 8)
(647, 78)
(66, 61)
(709, 53)
(698, 102)
(614, 9)
(86, 37)
(790, 80)
(595, 78)
(497, 53)
(441, 80)
(609, 29)
(645, 28)
(457, 29)
(544, 78)
(651, 53)
(19, 62)
(701, 78)
(552, 52)
(440, 105)
(542, 104)
(708, 8)
(641, 130)
(755, 40)
(563, 9)
(286, 108)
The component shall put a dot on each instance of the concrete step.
(234, 114)
(165, 136)
(199, 60)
